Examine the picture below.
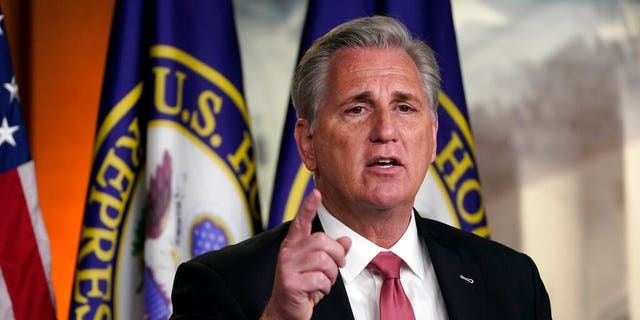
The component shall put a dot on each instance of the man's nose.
(383, 126)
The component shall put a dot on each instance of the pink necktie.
(394, 303)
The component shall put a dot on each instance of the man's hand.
(307, 266)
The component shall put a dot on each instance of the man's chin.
(390, 200)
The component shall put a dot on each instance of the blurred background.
(553, 90)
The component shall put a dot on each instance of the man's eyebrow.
(403, 96)
(362, 97)
(397, 95)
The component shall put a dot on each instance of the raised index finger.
(301, 224)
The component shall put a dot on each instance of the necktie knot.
(387, 264)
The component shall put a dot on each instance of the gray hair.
(309, 80)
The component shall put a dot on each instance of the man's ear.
(434, 138)
(304, 142)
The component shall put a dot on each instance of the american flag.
(25, 260)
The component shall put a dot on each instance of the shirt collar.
(363, 251)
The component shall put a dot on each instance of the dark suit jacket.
(235, 282)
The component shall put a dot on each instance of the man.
(366, 98)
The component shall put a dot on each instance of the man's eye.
(356, 110)
(405, 108)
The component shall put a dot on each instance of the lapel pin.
(471, 281)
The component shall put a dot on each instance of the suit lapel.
(336, 304)
(458, 276)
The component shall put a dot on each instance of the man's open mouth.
(384, 163)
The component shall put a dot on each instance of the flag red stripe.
(19, 256)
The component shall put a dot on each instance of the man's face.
(374, 137)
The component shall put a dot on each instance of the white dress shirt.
(363, 286)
